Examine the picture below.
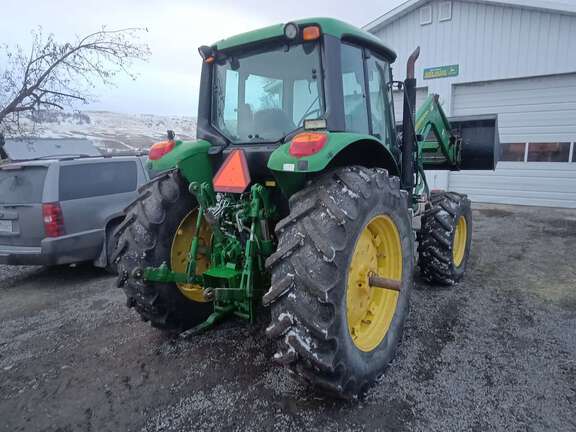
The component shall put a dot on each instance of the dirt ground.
(497, 352)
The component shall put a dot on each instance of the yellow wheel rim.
(459, 242)
(179, 253)
(369, 311)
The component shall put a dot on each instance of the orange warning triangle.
(233, 176)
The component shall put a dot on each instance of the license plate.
(5, 225)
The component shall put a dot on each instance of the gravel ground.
(497, 352)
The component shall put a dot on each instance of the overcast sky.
(168, 82)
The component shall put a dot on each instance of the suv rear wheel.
(111, 242)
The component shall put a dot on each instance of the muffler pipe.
(408, 124)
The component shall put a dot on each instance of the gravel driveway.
(497, 352)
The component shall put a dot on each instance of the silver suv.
(63, 210)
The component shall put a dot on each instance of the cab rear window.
(22, 185)
(97, 179)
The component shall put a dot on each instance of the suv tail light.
(307, 143)
(53, 220)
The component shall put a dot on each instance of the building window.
(512, 152)
(426, 15)
(549, 152)
(445, 11)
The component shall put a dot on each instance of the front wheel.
(333, 327)
(445, 238)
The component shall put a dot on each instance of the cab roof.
(330, 26)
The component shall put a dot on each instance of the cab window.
(306, 101)
(380, 104)
(353, 85)
(263, 93)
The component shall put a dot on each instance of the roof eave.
(410, 5)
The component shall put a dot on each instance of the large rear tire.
(445, 238)
(145, 238)
(332, 328)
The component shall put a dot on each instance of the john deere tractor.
(302, 201)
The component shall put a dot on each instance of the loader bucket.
(480, 141)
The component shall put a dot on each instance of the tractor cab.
(265, 93)
(266, 88)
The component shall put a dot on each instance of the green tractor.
(302, 195)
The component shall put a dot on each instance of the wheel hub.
(369, 310)
(180, 249)
(459, 242)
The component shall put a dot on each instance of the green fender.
(190, 157)
(290, 172)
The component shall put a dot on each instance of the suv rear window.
(96, 179)
(22, 185)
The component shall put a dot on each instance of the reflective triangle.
(233, 176)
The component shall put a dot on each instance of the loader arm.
(438, 148)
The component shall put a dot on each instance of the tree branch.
(54, 75)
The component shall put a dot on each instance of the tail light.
(160, 149)
(53, 220)
(307, 143)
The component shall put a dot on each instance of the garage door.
(537, 125)
(421, 94)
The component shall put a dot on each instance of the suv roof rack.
(72, 156)
(126, 153)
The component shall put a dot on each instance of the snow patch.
(364, 176)
(350, 192)
(304, 340)
(284, 315)
(330, 258)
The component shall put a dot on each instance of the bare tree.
(53, 75)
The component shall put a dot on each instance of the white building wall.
(529, 109)
(540, 109)
(487, 41)
(492, 42)
(538, 184)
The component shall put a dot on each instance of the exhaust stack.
(408, 124)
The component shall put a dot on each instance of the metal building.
(515, 58)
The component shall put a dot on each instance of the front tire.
(331, 327)
(145, 239)
(445, 238)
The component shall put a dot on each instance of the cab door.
(380, 100)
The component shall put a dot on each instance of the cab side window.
(380, 108)
(355, 109)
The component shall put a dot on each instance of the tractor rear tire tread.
(143, 240)
(310, 268)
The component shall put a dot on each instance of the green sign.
(441, 71)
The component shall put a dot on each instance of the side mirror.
(207, 53)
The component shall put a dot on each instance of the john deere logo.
(441, 71)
